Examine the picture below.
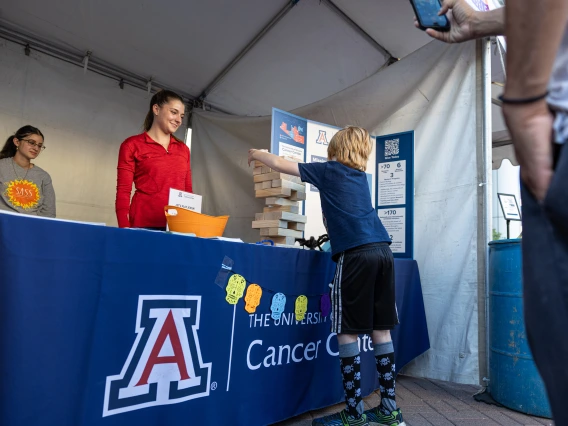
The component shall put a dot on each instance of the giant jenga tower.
(280, 221)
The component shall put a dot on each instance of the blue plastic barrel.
(513, 378)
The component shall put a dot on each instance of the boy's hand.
(460, 14)
(251, 157)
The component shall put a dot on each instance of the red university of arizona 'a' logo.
(164, 365)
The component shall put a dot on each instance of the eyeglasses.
(34, 144)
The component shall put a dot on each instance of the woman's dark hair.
(10, 148)
(161, 98)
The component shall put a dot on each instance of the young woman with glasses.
(25, 187)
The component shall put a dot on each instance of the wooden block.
(274, 176)
(258, 164)
(297, 195)
(257, 171)
(258, 186)
(291, 209)
(266, 169)
(265, 185)
(287, 184)
(297, 226)
(289, 217)
(275, 201)
(273, 216)
(259, 224)
(259, 216)
(267, 176)
(295, 179)
(273, 192)
(280, 232)
(289, 241)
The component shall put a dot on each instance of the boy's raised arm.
(274, 162)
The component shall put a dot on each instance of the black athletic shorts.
(363, 294)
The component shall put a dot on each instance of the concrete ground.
(431, 402)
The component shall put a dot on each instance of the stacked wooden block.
(280, 221)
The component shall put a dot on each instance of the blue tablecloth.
(102, 326)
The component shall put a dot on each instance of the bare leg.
(381, 336)
(345, 339)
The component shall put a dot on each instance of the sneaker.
(379, 416)
(341, 419)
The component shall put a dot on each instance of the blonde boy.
(363, 294)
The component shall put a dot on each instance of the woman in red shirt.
(155, 161)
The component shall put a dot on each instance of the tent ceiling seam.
(388, 56)
(258, 37)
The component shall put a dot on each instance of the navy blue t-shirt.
(346, 203)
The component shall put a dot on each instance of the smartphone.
(427, 14)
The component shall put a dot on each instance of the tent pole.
(247, 48)
(484, 197)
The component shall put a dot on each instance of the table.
(104, 326)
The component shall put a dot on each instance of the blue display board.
(395, 190)
(289, 134)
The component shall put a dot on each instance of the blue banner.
(103, 326)
(288, 134)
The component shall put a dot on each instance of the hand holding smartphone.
(427, 15)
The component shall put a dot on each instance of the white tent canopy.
(312, 52)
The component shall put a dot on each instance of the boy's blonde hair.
(351, 146)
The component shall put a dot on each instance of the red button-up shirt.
(154, 171)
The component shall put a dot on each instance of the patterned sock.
(384, 357)
(350, 362)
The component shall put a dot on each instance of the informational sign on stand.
(510, 209)
(395, 190)
(509, 206)
(390, 172)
